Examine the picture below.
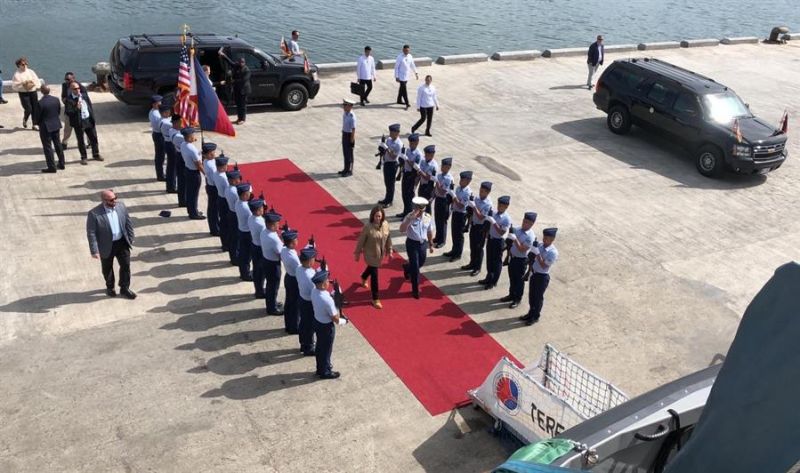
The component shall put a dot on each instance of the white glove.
(416, 166)
(383, 146)
(535, 250)
(512, 237)
(491, 220)
(452, 193)
(471, 203)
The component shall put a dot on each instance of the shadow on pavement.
(235, 363)
(130, 163)
(46, 302)
(170, 270)
(195, 321)
(253, 386)
(222, 342)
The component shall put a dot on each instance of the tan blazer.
(375, 243)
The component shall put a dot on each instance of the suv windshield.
(723, 108)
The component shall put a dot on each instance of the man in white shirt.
(427, 98)
(403, 67)
(294, 46)
(365, 69)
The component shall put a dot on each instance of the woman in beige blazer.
(376, 244)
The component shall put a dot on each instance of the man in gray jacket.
(110, 233)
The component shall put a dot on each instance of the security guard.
(243, 214)
(499, 225)
(221, 185)
(408, 185)
(167, 131)
(305, 288)
(461, 198)
(193, 167)
(418, 227)
(210, 170)
(158, 138)
(326, 317)
(442, 185)
(394, 147)
(481, 208)
(256, 224)
(177, 142)
(232, 224)
(546, 255)
(271, 246)
(522, 240)
(348, 137)
(291, 314)
(427, 171)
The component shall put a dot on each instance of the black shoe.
(110, 292)
(475, 272)
(386, 205)
(247, 277)
(311, 352)
(24, 123)
(381, 202)
(438, 245)
(61, 166)
(483, 281)
(127, 293)
(513, 305)
(84, 162)
(64, 146)
(405, 271)
(49, 170)
(216, 234)
(331, 375)
(415, 295)
(406, 107)
(98, 158)
(427, 133)
(341, 173)
(259, 295)
(526, 317)
(275, 312)
(489, 286)
(197, 217)
(366, 100)
(363, 104)
(292, 332)
(447, 254)
(531, 321)
(466, 267)
(234, 263)
(3, 101)
(507, 298)
(161, 179)
(171, 191)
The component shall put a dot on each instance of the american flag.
(185, 106)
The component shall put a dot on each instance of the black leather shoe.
(161, 179)
(246, 277)
(98, 158)
(276, 312)
(438, 245)
(172, 191)
(513, 305)
(110, 292)
(128, 293)
(474, 272)
(483, 281)
(84, 162)
(197, 217)
(447, 254)
(331, 375)
(507, 298)
(415, 295)
(49, 170)
(61, 166)
(526, 317)
(454, 258)
(531, 321)
(259, 295)
(64, 146)
(309, 353)
(386, 205)
(489, 286)
(466, 267)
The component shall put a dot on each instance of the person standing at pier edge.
(376, 244)
(546, 255)
(294, 46)
(427, 172)
(442, 185)
(271, 246)
(348, 137)
(166, 130)
(522, 240)
(365, 70)
(49, 122)
(594, 59)
(499, 226)
(291, 263)
(393, 151)
(403, 66)
(158, 138)
(410, 176)
(256, 224)
(78, 108)
(209, 151)
(461, 199)
(69, 78)
(481, 208)
(427, 99)
(243, 214)
(25, 82)
(326, 317)
(418, 227)
(241, 86)
(110, 234)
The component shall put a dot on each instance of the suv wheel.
(294, 97)
(710, 162)
(619, 120)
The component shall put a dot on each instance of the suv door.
(655, 107)
(687, 121)
(264, 76)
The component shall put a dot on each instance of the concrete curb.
(659, 45)
(334, 67)
(740, 40)
(461, 58)
(564, 52)
(517, 55)
(698, 43)
(418, 61)
(620, 48)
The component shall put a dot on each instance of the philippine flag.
(211, 112)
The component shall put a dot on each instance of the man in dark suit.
(49, 122)
(595, 59)
(241, 85)
(78, 107)
(110, 233)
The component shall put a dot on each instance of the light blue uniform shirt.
(412, 156)
(164, 127)
(290, 261)
(525, 239)
(485, 206)
(396, 146)
(271, 245)
(427, 167)
(221, 183)
(211, 168)
(113, 221)
(550, 255)
(242, 214)
(256, 225)
(155, 120)
(324, 307)
(420, 227)
(232, 196)
(177, 139)
(504, 221)
(304, 284)
(348, 122)
(462, 197)
(444, 180)
(190, 155)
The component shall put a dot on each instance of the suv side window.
(158, 61)
(661, 94)
(687, 104)
(253, 62)
(627, 78)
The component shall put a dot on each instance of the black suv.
(143, 65)
(695, 110)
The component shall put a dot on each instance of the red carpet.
(430, 343)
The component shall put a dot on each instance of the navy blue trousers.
(407, 184)
(245, 254)
(325, 335)
(233, 235)
(457, 228)
(516, 269)
(389, 174)
(476, 241)
(171, 172)
(347, 151)
(417, 252)
(306, 327)
(441, 214)
(180, 173)
(258, 270)
(291, 315)
(212, 214)
(494, 259)
(272, 274)
(192, 187)
(539, 283)
(158, 145)
(224, 232)
(426, 190)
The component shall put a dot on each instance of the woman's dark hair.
(375, 210)
(20, 61)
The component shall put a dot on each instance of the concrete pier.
(657, 264)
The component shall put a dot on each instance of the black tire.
(294, 97)
(710, 161)
(619, 120)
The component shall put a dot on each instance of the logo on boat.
(506, 389)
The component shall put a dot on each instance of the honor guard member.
(522, 240)
(481, 208)
(348, 137)
(326, 317)
(221, 185)
(546, 255)
(305, 288)
(291, 315)
(177, 142)
(210, 170)
(167, 131)
(442, 185)
(394, 148)
(243, 214)
(499, 226)
(461, 199)
(256, 224)
(271, 246)
(193, 168)
(408, 184)
(158, 138)
(232, 224)
(427, 171)
(418, 227)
